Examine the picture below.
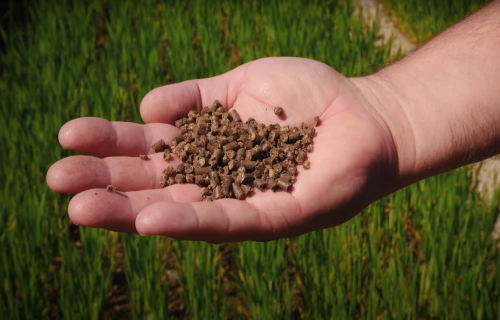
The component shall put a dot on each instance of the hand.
(354, 161)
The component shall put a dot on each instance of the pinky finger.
(225, 220)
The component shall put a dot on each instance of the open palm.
(352, 164)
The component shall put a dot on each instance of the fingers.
(209, 221)
(78, 173)
(117, 211)
(102, 138)
(264, 216)
(169, 103)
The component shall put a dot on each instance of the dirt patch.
(373, 12)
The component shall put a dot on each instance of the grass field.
(422, 19)
(423, 252)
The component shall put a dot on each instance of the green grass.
(423, 252)
(423, 19)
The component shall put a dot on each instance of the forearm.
(442, 102)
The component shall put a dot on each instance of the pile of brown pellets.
(228, 157)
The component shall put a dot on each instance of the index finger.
(171, 102)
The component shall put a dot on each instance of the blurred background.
(423, 252)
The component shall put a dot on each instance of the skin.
(433, 111)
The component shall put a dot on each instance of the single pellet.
(192, 114)
(249, 165)
(188, 168)
(230, 154)
(159, 146)
(278, 111)
(234, 115)
(238, 191)
(243, 177)
(292, 170)
(163, 183)
(183, 155)
(178, 139)
(213, 145)
(269, 161)
(293, 136)
(273, 135)
(202, 161)
(218, 192)
(170, 181)
(273, 184)
(214, 176)
(260, 184)
(306, 165)
(301, 157)
(168, 171)
(180, 168)
(277, 167)
(202, 170)
(316, 121)
(248, 155)
(205, 191)
(230, 146)
(272, 173)
(246, 189)
(180, 178)
(286, 177)
(166, 155)
(266, 146)
(226, 184)
(202, 180)
(255, 152)
(284, 185)
(190, 148)
(216, 105)
(179, 123)
(216, 155)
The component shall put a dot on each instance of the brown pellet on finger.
(143, 156)
(306, 165)
(316, 121)
(234, 115)
(278, 111)
(180, 178)
(238, 191)
(159, 146)
(260, 184)
(226, 185)
(284, 185)
(246, 189)
(166, 155)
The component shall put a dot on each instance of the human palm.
(352, 164)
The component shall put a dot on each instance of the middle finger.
(78, 173)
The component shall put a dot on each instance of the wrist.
(387, 104)
(441, 105)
